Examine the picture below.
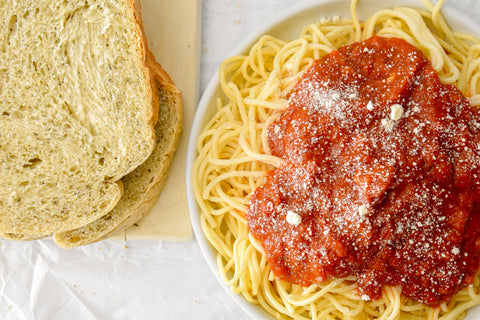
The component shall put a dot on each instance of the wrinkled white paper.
(109, 280)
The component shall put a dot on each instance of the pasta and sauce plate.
(260, 90)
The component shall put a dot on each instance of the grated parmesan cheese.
(387, 124)
(365, 297)
(396, 112)
(293, 218)
(369, 106)
(362, 210)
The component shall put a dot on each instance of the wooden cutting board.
(173, 32)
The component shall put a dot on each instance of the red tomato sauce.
(380, 177)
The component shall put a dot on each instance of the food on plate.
(80, 96)
(340, 175)
(377, 177)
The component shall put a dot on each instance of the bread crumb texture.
(75, 111)
(143, 185)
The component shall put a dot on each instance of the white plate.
(288, 26)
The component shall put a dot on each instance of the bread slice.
(22, 237)
(77, 111)
(143, 186)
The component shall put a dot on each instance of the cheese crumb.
(293, 218)
(362, 210)
(387, 124)
(365, 297)
(369, 106)
(396, 112)
(456, 250)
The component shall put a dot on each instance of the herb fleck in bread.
(77, 111)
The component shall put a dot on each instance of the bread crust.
(136, 7)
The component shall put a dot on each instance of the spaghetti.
(234, 156)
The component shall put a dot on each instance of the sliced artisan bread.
(142, 186)
(77, 110)
(22, 237)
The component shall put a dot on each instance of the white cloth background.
(138, 280)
